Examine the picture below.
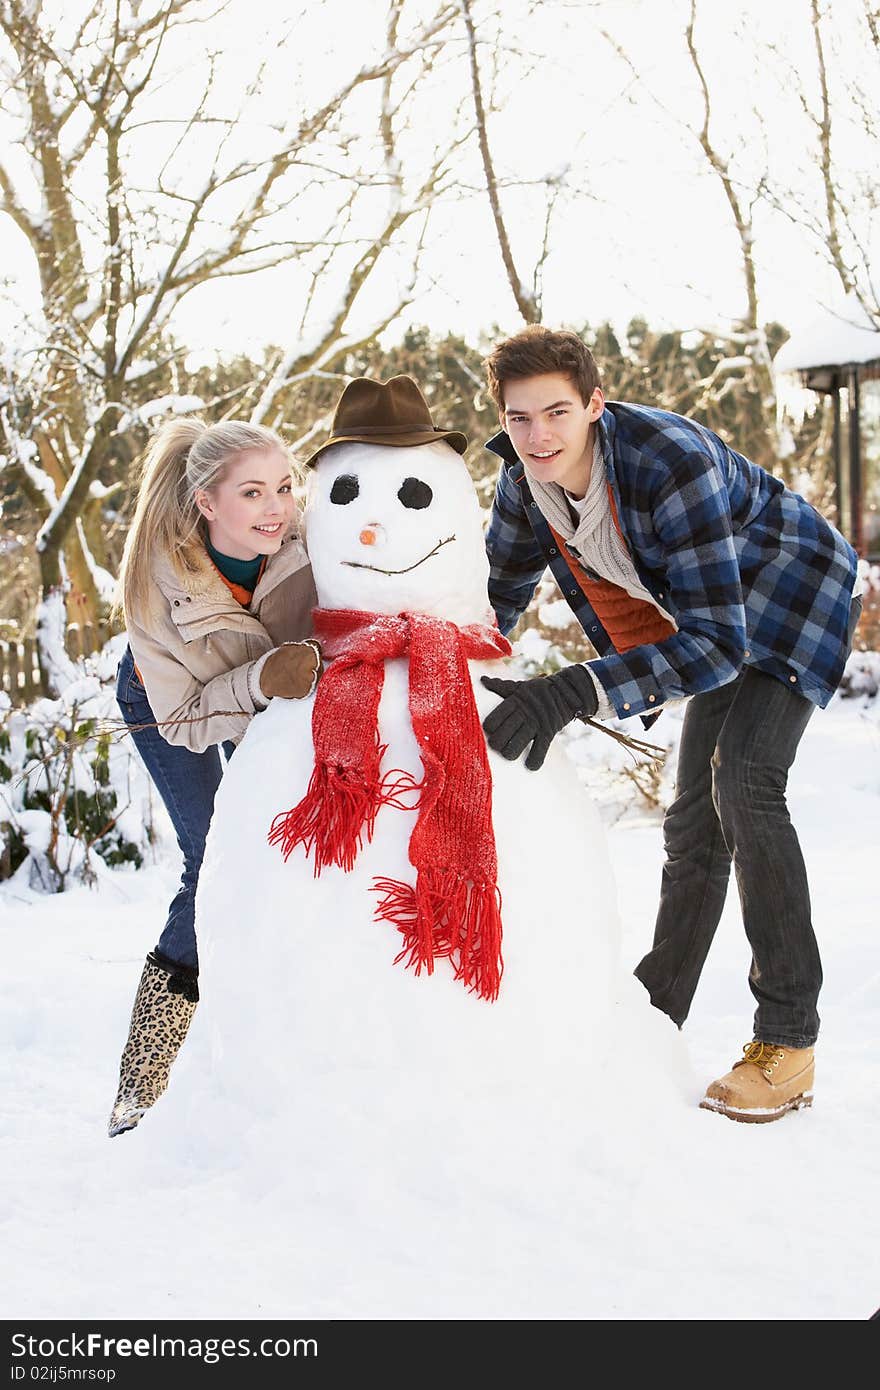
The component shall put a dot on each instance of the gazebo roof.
(836, 338)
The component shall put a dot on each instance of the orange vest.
(629, 622)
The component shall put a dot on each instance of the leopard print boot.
(163, 1008)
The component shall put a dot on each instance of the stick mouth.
(377, 569)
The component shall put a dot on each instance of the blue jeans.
(187, 783)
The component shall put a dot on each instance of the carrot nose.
(369, 535)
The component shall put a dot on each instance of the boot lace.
(764, 1055)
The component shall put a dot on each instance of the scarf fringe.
(446, 915)
(453, 911)
(338, 812)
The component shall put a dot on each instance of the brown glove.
(291, 671)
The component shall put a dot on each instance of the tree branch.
(742, 222)
(525, 302)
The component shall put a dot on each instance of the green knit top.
(242, 573)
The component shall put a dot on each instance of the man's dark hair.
(536, 351)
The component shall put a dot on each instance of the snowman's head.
(394, 529)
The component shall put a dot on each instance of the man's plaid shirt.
(751, 573)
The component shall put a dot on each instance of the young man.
(694, 573)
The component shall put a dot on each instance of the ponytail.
(186, 456)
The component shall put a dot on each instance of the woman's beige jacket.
(200, 657)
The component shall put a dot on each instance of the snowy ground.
(718, 1219)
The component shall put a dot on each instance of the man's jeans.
(737, 745)
(186, 782)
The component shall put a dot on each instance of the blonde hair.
(185, 457)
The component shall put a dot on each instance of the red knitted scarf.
(454, 910)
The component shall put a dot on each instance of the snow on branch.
(25, 453)
(103, 580)
(168, 405)
(63, 512)
(58, 669)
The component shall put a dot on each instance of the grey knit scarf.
(592, 535)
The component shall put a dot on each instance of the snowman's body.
(306, 1020)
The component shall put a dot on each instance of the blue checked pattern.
(752, 574)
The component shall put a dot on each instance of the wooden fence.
(20, 671)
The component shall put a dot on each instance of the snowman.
(389, 966)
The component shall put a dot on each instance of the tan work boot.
(163, 1008)
(768, 1081)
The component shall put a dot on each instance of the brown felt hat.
(385, 412)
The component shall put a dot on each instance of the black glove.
(535, 710)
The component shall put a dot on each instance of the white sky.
(647, 231)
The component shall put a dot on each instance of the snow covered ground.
(710, 1222)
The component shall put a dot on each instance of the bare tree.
(526, 301)
(119, 240)
(741, 214)
(746, 364)
(827, 184)
(408, 199)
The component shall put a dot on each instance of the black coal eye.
(414, 493)
(345, 489)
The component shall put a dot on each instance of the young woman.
(217, 595)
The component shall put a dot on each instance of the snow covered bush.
(861, 677)
(74, 799)
(625, 766)
(867, 635)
